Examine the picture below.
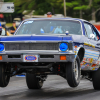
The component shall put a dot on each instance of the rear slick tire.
(33, 82)
(4, 78)
(96, 79)
(73, 72)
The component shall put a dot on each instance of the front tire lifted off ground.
(4, 76)
(73, 72)
(33, 82)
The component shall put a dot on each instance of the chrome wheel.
(73, 72)
(76, 71)
(40, 83)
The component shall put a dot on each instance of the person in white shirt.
(58, 30)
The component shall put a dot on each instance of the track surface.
(55, 88)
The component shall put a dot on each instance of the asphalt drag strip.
(54, 88)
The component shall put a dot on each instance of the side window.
(95, 33)
(88, 29)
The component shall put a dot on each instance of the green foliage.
(72, 4)
(56, 6)
(77, 4)
(83, 7)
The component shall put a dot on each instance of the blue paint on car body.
(77, 40)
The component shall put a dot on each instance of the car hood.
(35, 38)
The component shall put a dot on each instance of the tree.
(75, 8)
(77, 5)
(40, 6)
(95, 6)
(56, 6)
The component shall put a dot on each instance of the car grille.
(31, 46)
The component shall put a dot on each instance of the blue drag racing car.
(67, 47)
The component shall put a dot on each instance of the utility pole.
(65, 8)
(1, 3)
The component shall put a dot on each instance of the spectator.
(0, 29)
(13, 28)
(49, 14)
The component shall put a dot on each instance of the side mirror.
(92, 36)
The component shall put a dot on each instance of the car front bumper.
(43, 56)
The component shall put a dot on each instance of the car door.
(97, 44)
(91, 49)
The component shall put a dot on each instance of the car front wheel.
(73, 72)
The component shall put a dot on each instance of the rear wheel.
(73, 72)
(4, 76)
(33, 82)
(96, 79)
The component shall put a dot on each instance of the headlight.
(63, 46)
(1, 47)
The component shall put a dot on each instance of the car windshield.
(47, 27)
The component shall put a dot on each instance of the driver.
(58, 30)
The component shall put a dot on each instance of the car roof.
(57, 18)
